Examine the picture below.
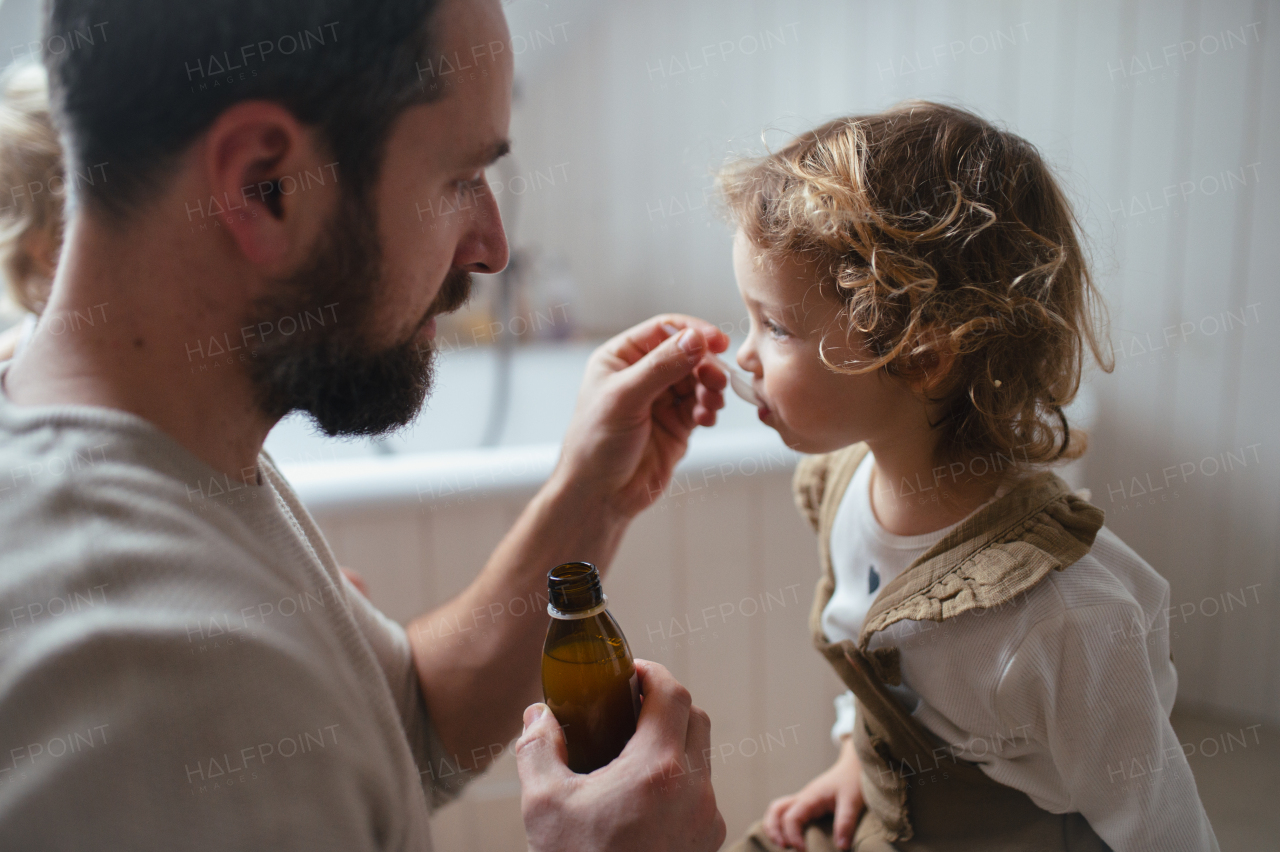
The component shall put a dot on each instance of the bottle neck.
(574, 591)
(574, 616)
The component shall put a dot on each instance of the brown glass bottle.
(588, 676)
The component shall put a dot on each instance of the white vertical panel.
(486, 818)
(1146, 148)
(1201, 405)
(1260, 403)
(801, 684)
(1246, 677)
(717, 621)
(460, 539)
(1164, 294)
(386, 549)
(645, 584)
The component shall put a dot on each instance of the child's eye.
(773, 328)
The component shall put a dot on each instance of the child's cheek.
(789, 402)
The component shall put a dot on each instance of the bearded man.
(138, 512)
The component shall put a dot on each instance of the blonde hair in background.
(32, 184)
(938, 230)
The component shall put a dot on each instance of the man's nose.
(484, 246)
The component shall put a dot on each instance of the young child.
(921, 311)
(32, 192)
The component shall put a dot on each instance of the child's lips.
(740, 383)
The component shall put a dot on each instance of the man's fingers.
(677, 420)
(657, 343)
(665, 367)
(698, 743)
(718, 831)
(666, 354)
(711, 400)
(694, 405)
(541, 754)
(664, 715)
(710, 374)
(638, 341)
(686, 386)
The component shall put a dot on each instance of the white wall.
(19, 26)
(1106, 92)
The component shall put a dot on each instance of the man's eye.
(468, 186)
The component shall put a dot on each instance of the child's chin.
(797, 443)
(800, 443)
(811, 446)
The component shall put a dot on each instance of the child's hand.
(839, 789)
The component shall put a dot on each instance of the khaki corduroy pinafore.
(919, 796)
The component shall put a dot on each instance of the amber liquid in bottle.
(588, 676)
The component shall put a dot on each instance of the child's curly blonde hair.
(940, 232)
(32, 182)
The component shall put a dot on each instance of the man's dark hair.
(134, 82)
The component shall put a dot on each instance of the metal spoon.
(740, 384)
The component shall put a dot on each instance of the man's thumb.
(541, 754)
(668, 363)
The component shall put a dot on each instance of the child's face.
(814, 408)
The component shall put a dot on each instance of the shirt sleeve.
(1092, 691)
(846, 717)
(442, 780)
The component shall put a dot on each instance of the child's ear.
(928, 368)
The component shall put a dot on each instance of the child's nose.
(746, 358)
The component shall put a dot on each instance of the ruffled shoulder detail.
(808, 485)
(1001, 552)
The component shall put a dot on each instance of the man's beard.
(330, 370)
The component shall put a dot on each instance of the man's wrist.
(588, 516)
(575, 489)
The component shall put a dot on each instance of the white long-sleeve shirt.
(1064, 693)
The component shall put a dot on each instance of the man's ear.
(249, 154)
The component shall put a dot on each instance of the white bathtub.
(544, 386)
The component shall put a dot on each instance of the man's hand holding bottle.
(655, 797)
